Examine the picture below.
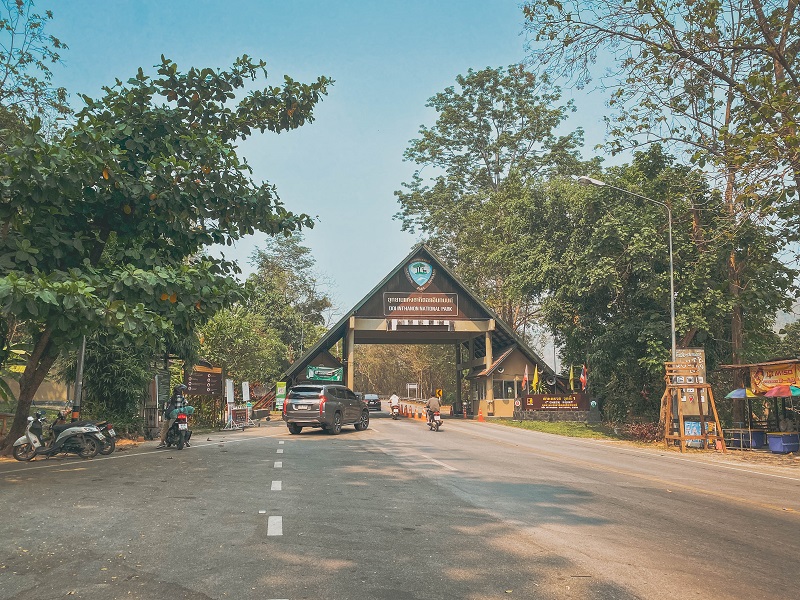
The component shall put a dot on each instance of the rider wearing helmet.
(177, 400)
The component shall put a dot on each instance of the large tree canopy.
(494, 133)
(104, 226)
(599, 260)
(719, 78)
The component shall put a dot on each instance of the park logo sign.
(420, 273)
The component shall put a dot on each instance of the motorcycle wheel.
(436, 426)
(90, 448)
(109, 446)
(25, 452)
(181, 440)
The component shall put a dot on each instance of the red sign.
(553, 402)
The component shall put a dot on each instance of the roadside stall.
(772, 407)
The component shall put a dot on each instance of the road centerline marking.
(274, 526)
(276, 486)
(278, 464)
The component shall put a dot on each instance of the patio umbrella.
(742, 393)
(783, 391)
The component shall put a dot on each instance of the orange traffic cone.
(480, 415)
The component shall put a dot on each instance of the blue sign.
(420, 272)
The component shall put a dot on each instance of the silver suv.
(328, 406)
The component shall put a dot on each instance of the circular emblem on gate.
(420, 273)
(517, 403)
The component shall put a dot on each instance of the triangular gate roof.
(442, 282)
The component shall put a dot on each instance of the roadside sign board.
(280, 394)
(205, 381)
(439, 393)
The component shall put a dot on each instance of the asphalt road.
(398, 512)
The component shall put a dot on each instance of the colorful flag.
(584, 377)
(525, 380)
(571, 378)
(535, 384)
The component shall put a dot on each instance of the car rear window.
(305, 392)
(371, 396)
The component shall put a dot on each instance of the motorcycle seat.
(61, 427)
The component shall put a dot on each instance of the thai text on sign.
(417, 304)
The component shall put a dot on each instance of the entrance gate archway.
(422, 302)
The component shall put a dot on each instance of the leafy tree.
(720, 77)
(789, 345)
(599, 261)
(493, 135)
(240, 342)
(26, 53)
(288, 293)
(102, 228)
(717, 79)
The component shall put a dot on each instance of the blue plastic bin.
(783, 443)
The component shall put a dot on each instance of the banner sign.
(229, 391)
(280, 394)
(763, 379)
(569, 402)
(205, 381)
(417, 304)
(324, 373)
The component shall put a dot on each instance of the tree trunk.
(42, 358)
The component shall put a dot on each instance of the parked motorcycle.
(434, 420)
(107, 429)
(109, 437)
(179, 433)
(85, 440)
(395, 412)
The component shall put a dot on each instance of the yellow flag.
(535, 381)
(571, 379)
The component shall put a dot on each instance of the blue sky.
(387, 59)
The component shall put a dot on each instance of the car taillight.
(322, 401)
(285, 402)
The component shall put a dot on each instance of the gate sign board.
(570, 402)
(324, 373)
(418, 304)
(205, 381)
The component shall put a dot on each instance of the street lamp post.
(584, 180)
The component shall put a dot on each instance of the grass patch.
(565, 428)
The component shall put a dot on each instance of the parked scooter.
(434, 420)
(85, 440)
(396, 411)
(179, 433)
(107, 429)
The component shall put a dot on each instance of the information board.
(553, 402)
(205, 381)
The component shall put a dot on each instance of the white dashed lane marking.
(276, 486)
(278, 464)
(279, 451)
(275, 526)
